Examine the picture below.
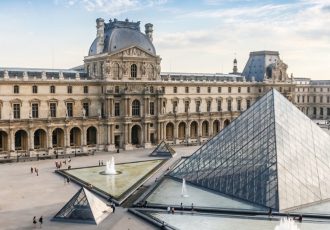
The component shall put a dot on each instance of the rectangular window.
(328, 111)
(208, 106)
(239, 89)
(187, 89)
(69, 89)
(116, 89)
(314, 99)
(239, 103)
(34, 89)
(219, 106)
(328, 99)
(248, 104)
(198, 89)
(248, 89)
(298, 99)
(198, 105)
(86, 108)
(52, 89)
(52, 108)
(209, 89)
(152, 108)
(229, 105)
(186, 106)
(85, 89)
(117, 109)
(69, 109)
(229, 89)
(321, 110)
(17, 111)
(303, 99)
(314, 110)
(16, 89)
(102, 110)
(175, 106)
(175, 89)
(219, 89)
(321, 98)
(35, 112)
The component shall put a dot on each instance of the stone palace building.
(119, 98)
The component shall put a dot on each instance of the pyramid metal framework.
(84, 207)
(163, 149)
(271, 155)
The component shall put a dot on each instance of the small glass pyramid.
(84, 207)
(163, 150)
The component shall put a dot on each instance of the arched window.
(133, 71)
(136, 108)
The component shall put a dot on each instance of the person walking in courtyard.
(69, 159)
(113, 206)
(40, 221)
(31, 169)
(102, 162)
(34, 221)
(68, 180)
(37, 172)
(99, 163)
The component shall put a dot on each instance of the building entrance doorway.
(136, 135)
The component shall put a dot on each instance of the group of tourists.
(36, 170)
(58, 164)
(35, 221)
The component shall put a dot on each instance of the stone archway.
(182, 131)
(91, 136)
(21, 140)
(169, 131)
(3, 141)
(226, 123)
(216, 127)
(75, 137)
(58, 138)
(136, 135)
(194, 130)
(205, 129)
(40, 139)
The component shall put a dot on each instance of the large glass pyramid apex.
(84, 207)
(272, 155)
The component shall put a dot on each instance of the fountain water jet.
(110, 167)
(287, 224)
(184, 189)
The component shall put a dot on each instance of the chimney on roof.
(149, 30)
(100, 35)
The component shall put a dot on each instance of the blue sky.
(190, 36)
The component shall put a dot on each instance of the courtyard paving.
(24, 194)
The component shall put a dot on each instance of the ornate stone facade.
(120, 99)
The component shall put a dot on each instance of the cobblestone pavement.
(24, 195)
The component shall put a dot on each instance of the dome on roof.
(118, 35)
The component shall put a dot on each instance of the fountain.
(184, 189)
(287, 224)
(110, 167)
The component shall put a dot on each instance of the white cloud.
(112, 7)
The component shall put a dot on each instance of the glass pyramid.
(163, 150)
(84, 207)
(272, 155)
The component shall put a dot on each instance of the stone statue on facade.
(125, 67)
(83, 113)
(143, 68)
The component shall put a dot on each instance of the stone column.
(147, 143)
(84, 139)
(11, 140)
(210, 128)
(67, 140)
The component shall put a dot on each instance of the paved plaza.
(25, 195)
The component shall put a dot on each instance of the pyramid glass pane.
(302, 153)
(241, 160)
